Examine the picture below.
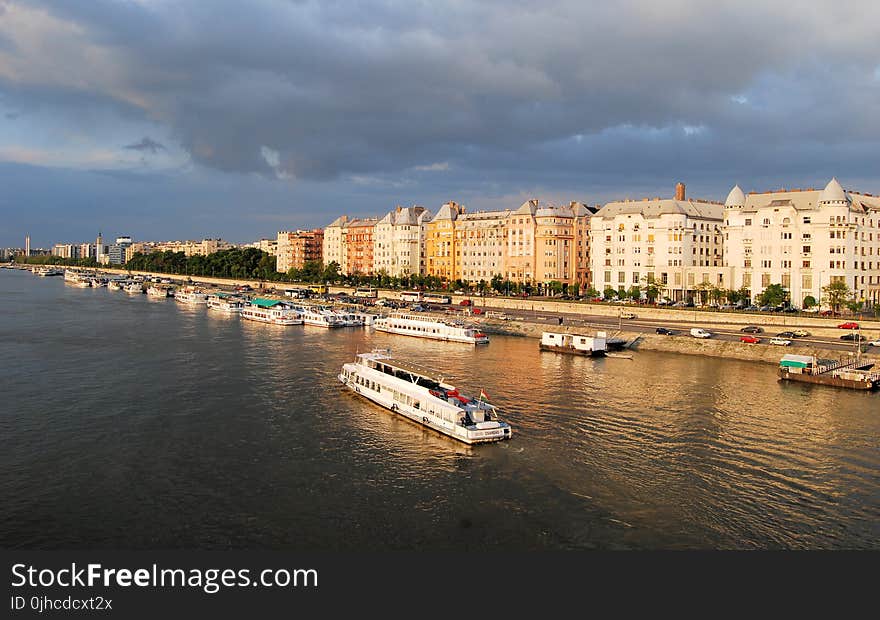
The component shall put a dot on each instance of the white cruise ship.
(426, 327)
(190, 295)
(314, 315)
(224, 302)
(271, 311)
(429, 401)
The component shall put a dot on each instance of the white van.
(699, 332)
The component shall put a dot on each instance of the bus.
(368, 291)
(411, 296)
(437, 299)
(319, 289)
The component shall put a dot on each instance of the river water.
(134, 423)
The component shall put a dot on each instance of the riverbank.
(645, 339)
(683, 344)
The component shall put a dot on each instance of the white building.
(677, 243)
(334, 248)
(399, 242)
(804, 240)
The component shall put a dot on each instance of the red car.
(848, 325)
(477, 311)
(750, 339)
(464, 302)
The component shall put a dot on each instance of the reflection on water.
(145, 423)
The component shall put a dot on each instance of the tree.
(652, 291)
(773, 295)
(591, 292)
(609, 292)
(835, 294)
(634, 293)
(809, 302)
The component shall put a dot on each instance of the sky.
(179, 119)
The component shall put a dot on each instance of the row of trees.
(247, 263)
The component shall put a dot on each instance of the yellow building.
(440, 242)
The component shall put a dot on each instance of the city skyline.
(151, 119)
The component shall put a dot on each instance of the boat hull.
(824, 379)
(470, 437)
(572, 350)
(445, 338)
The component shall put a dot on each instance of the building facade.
(358, 241)
(295, 248)
(804, 240)
(675, 243)
(440, 251)
(334, 249)
(399, 242)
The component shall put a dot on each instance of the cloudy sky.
(184, 119)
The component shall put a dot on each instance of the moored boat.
(577, 344)
(424, 327)
(162, 292)
(271, 311)
(135, 288)
(313, 315)
(855, 374)
(190, 295)
(423, 398)
(225, 302)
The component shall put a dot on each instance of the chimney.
(679, 191)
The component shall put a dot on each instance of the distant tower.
(27, 245)
(99, 247)
(679, 191)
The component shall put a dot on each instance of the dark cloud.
(146, 145)
(489, 98)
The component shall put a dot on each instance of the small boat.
(424, 327)
(317, 316)
(45, 272)
(190, 295)
(134, 288)
(224, 302)
(162, 292)
(271, 311)
(420, 396)
(115, 285)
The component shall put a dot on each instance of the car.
(801, 333)
(848, 325)
(465, 302)
(765, 309)
(698, 332)
(751, 329)
(751, 308)
(780, 341)
(790, 309)
(874, 343)
(419, 309)
(665, 331)
(855, 337)
(477, 311)
(627, 315)
(750, 339)
(458, 292)
(785, 335)
(663, 302)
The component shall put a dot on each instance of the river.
(138, 423)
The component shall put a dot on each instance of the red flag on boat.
(483, 394)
